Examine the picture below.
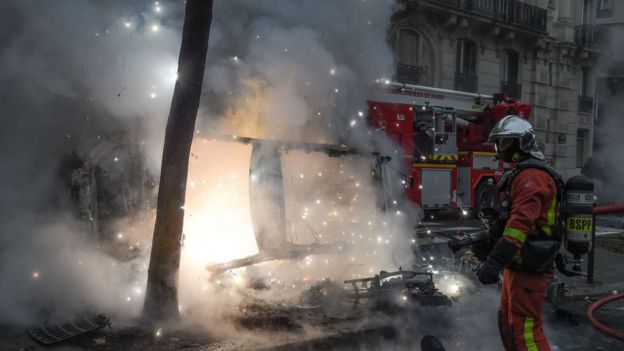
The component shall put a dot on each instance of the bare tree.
(161, 296)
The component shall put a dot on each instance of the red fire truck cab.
(443, 135)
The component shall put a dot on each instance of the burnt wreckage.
(113, 182)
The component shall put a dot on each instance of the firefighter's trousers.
(520, 313)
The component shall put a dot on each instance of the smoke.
(605, 165)
(77, 73)
(305, 66)
(74, 74)
(298, 72)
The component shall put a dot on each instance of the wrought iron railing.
(511, 89)
(589, 35)
(410, 74)
(466, 82)
(603, 12)
(511, 11)
(585, 104)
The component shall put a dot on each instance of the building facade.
(606, 31)
(542, 52)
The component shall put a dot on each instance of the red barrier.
(608, 209)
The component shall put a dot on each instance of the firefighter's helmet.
(518, 128)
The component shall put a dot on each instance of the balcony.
(589, 35)
(466, 82)
(513, 12)
(409, 74)
(603, 12)
(511, 89)
(585, 104)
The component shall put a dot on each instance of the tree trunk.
(161, 295)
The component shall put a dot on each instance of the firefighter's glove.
(482, 249)
(501, 256)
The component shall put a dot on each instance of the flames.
(217, 221)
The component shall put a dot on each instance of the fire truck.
(443, 134)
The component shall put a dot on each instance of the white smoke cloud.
(81, 71)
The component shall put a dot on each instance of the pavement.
(608, 276)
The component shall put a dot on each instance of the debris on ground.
(396, 289)
(56, 331)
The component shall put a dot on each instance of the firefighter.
(528, 238)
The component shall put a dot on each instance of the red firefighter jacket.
(533, 206)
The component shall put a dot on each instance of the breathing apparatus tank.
(577, 211)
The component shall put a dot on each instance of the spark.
(360, 113)
(152, 95)
(353, 122)
(35, 275)
(116, 159)
(155, 28)
(238, 280)
(172, 75)
(127, 24)
(120, 236)
(159, 332)
(332, 71)
(464, 212)
(157, 8)
(455, 288)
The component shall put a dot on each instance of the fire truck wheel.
(482, 196)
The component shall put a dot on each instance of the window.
(585, 12)
(408, 68)
(466, 66)
(466, 62)
(585, 82)
(604, 9)
(580, 147)
(551, 73)
(509, 65)
(409, 48)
